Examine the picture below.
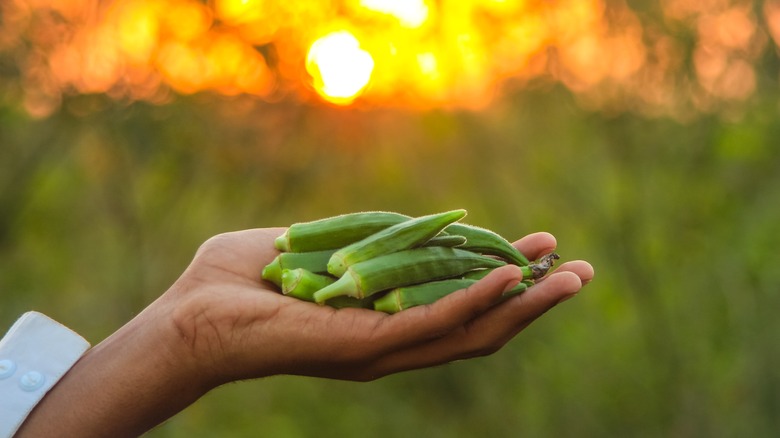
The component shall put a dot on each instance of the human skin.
(219, 323)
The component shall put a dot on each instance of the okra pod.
(485, 241)
(477, 274)
(448, 240)
(301, 283)
(402, 236)
(403, 268)
(335, 232)
(314, 261)
(402, 298)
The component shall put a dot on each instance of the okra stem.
(346, 285)
(314, 261)
(535, 271)
(302, 284)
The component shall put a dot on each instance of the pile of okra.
(389, 261)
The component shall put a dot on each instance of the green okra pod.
(485, 241)
(477, 274)
(314, 261)
(302, 284)
(406, 297)
(402, 298)
(403, 268)
(448, 240)
(405, 235)
(335, 232)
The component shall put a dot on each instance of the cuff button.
(31, 381)
(7, 368)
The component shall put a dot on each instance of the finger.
(423, 323)
(568, 279)
(487, 333)
(511, 317)
(582, 268)
(242, 252)
(536, 245)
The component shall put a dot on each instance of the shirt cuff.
(35, 353)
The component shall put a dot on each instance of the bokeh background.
(644, 135)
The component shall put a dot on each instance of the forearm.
(124, 386)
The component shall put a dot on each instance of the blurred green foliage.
(103, 204)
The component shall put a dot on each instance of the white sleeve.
(35, 353)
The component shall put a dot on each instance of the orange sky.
(393, 53)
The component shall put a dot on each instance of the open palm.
(243, 328)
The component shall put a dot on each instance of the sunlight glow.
(410, 13)
(410, 54)
(340, 68)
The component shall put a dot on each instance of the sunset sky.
(403, 54)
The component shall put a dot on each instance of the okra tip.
(457, 214)
(539, 270)
(282, 243)
(290, 279)
(344, 286)
(336, 265)
(388, 303)
(273, 272)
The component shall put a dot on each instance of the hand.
(220, 322)
(243, 328)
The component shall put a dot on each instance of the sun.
(340, 69)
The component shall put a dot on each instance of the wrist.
(127, 384)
